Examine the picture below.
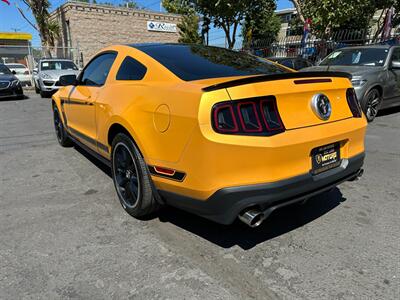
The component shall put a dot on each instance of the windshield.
(195, 62)
(356, 57)
(4, 70)
(57, 65)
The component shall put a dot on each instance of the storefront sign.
(159, 26)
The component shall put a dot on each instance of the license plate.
(325, 158)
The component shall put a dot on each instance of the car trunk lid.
(294, 93)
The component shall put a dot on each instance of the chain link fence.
(315, 49)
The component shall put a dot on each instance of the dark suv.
(10, 86)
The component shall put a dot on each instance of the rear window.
(57, 65)
(4, 70)
(16, 66)
(195, 62)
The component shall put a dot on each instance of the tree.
(229, 14)
(225, 14)
(261, 23)
(298, 5)
(384, 6)
(189, 26)
(328, 16)
(48, 29)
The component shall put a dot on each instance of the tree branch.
(26, 19)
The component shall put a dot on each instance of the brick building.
(87, 28)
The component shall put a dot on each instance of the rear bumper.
(225, 204)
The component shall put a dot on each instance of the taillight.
(353, 103)
(26, 73)
(255, 116)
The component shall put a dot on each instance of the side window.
(300, 64)
(396, 55)
(131, 69)
(287, 63)
(96, 72)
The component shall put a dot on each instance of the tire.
(61, 134)
(131, 178)
(37, 90)
(371, 104)
(44, 94)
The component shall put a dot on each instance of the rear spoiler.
(272, 77)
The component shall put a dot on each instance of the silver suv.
(375, 71)
(48, 73)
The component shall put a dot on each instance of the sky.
(11, 20)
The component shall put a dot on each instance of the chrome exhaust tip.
(358, 175)
(252, 217)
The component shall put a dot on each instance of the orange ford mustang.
(215, 132)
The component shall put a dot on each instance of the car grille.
(6, 93)
(48, 83)
(4, 84)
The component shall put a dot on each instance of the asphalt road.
(64, 235)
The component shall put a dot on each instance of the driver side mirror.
(395, 65)
(35, 71)
(13, 71)
(66, 80)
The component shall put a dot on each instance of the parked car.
(375, 74)
(48, 73)
(219, 133)
(10, 86)
(295, 63)
(21, 72)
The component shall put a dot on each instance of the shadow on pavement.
(24, 97)
(389, 111)
(106, 170)
(280, 222)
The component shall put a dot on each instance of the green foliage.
(261, 23)
(331, 15)
(189, 27)
(48, 29)
(225, 14)
(296, 26)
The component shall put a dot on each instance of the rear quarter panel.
(159, 111)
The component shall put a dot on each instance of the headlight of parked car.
(358, 82)
(45, 76)
(14, 82)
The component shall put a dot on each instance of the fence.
(315, 49)
(30, 56)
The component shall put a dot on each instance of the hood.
(353, 70)
(57, 73)
(8, 77)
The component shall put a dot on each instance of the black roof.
(196, 61)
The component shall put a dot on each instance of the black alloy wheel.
(126, 176)
(61, 134)
(372, 102)
(131, 178)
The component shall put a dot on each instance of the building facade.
(87, 28)
(14, 47)
(286, 16)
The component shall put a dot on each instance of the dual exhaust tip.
(252, 217)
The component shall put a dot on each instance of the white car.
(21, 72)
(48, 73)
